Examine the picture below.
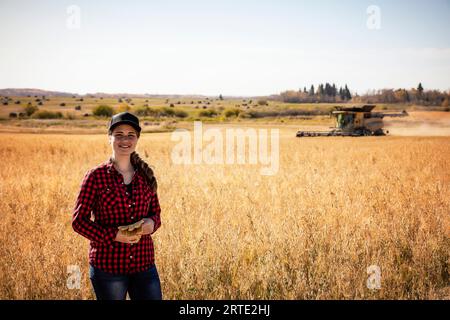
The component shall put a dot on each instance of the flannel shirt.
(104, 195)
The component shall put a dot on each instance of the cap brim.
(138, 129)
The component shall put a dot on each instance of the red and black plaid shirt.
(104, 195)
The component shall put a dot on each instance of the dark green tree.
(347, 93)
(420, 88)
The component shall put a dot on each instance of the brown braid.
(141, 165)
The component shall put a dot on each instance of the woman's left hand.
(147, 226)
(142, 227)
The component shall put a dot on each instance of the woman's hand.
(148, 226)
(134, 232)
(125, 236)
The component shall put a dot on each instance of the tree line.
(416, 96)
(329, 93)
(322, 93)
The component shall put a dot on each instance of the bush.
(181, 114)
(208, 113)
(30, 109)
(62, 104)
(160, 112)
(262, 102)
(166, 112)
(103, 111)
(13, 115)
(145, 111)
(232, 113)
(141, 111)
(45, 114)
(123, 108)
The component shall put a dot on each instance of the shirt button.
(131, 257)
(132, 217)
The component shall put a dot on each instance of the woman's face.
(123, 139)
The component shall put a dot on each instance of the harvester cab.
(345, 120)
(355, 121)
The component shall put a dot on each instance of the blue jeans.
(143, 285)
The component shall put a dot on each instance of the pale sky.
(243, 47)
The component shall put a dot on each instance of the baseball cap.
(124, 118)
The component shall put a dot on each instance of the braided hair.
(141, 165)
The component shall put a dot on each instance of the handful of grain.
(132, 229)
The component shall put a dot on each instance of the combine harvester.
(355, 122)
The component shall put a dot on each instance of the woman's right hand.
(125, 236)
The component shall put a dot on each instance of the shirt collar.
(110, 166)
(111, 169)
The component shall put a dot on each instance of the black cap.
(124, 118)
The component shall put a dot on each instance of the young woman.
(121, 195)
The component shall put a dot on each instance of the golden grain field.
(337, 206)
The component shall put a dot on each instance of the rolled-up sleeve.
(81, 217)
(155, 211)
